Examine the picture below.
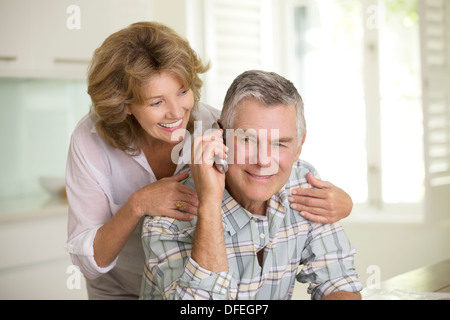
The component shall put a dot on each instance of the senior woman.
(144, 85)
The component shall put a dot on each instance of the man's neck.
(254, 207)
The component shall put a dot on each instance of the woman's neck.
(159, 156)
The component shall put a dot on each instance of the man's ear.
(299, 151)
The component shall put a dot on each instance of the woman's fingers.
(179, 176)
(315, 218)
(325, 203)
(316, 182)
(185, 202)
(179, 215)
(308, 203)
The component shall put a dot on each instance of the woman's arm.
(155, 199)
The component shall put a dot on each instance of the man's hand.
(327, 204)
(208, 248)
(209, 182)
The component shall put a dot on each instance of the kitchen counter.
(30, 207)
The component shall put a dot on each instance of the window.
(435, 35)
(235, 40)
(359, 65)
(327, 70)
(359, 70)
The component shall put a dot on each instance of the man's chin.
(261, 196)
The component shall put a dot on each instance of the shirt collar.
(235, 217)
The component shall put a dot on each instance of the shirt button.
(262, 235)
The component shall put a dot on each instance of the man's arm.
(179, 266)
(328, 264)
(208, 248)
(209, 243)
(170, 272)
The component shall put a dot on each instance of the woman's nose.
(175, 111)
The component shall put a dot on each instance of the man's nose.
(264, 156)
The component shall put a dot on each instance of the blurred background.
(374, 76)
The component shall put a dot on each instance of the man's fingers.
(205, 148)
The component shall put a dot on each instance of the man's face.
(265, 148)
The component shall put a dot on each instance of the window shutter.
(233, 43)
(435, 44)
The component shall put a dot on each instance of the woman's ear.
(128, 109)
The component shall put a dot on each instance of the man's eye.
(248, 140)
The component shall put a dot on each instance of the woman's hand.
(327, 204)
(166, 197)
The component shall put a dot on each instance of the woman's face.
(167, 107)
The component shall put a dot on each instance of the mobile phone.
(219, 163)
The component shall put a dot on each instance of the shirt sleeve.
(170, 272)
(328, 261)
(88, 209)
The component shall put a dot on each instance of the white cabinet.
(33, 262)
(14, 36)
(56, 38)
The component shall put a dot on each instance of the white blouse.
(99, 180)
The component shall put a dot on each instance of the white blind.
(435, 43)
(233, 43)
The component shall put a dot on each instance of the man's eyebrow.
(284, 139)
(252, 133)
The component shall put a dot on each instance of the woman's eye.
(183, 92)
(155, 104)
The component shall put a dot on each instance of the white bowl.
(54, 185)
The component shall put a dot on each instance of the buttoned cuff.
(207, 284)
(348, 283)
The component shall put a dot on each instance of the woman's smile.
(172, 126)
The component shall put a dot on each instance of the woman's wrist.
(134, 205)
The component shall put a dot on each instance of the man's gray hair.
(268, 87)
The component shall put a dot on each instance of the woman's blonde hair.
(121, 66)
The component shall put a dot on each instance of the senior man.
(246, 241)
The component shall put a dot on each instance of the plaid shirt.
(288, 240)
